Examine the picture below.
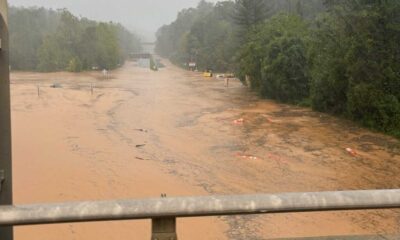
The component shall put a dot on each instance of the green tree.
(276, 60)
(48, 40)
(170, 37)
(28, 28)
(249, 13)
(50, 56)
(285, 69)
(358, 72)
(204, 35)
(108, 53)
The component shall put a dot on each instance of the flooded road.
(144, 133)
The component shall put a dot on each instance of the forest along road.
(143, 133)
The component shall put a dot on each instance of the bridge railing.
(164, 211)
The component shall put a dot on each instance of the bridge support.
(164, 229)
(6, 233)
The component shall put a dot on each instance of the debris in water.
(352, 152)
(239, 121)
(142, 130)
(56, 85)
(249, 157)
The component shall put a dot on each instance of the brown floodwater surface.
(143, 133)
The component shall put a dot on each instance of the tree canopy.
(48, 40)
(337, 56)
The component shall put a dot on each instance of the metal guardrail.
(198, 206)
(164, 211)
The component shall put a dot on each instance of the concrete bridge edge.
(6, 233)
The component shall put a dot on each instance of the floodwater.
(143, 133)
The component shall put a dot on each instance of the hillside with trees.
(48, 40)
(336, 56)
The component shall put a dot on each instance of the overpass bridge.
(148, 47)
(146, 53)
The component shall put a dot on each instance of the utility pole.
(6, 233)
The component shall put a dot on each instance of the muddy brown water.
(143, 133)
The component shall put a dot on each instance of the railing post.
(164, 229)
(6, 233)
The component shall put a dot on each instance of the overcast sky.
(144, 16)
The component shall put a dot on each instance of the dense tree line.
(211, 34)
(337, 56)
(356, 62)
(48, 40)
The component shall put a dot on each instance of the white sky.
(145, 17)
